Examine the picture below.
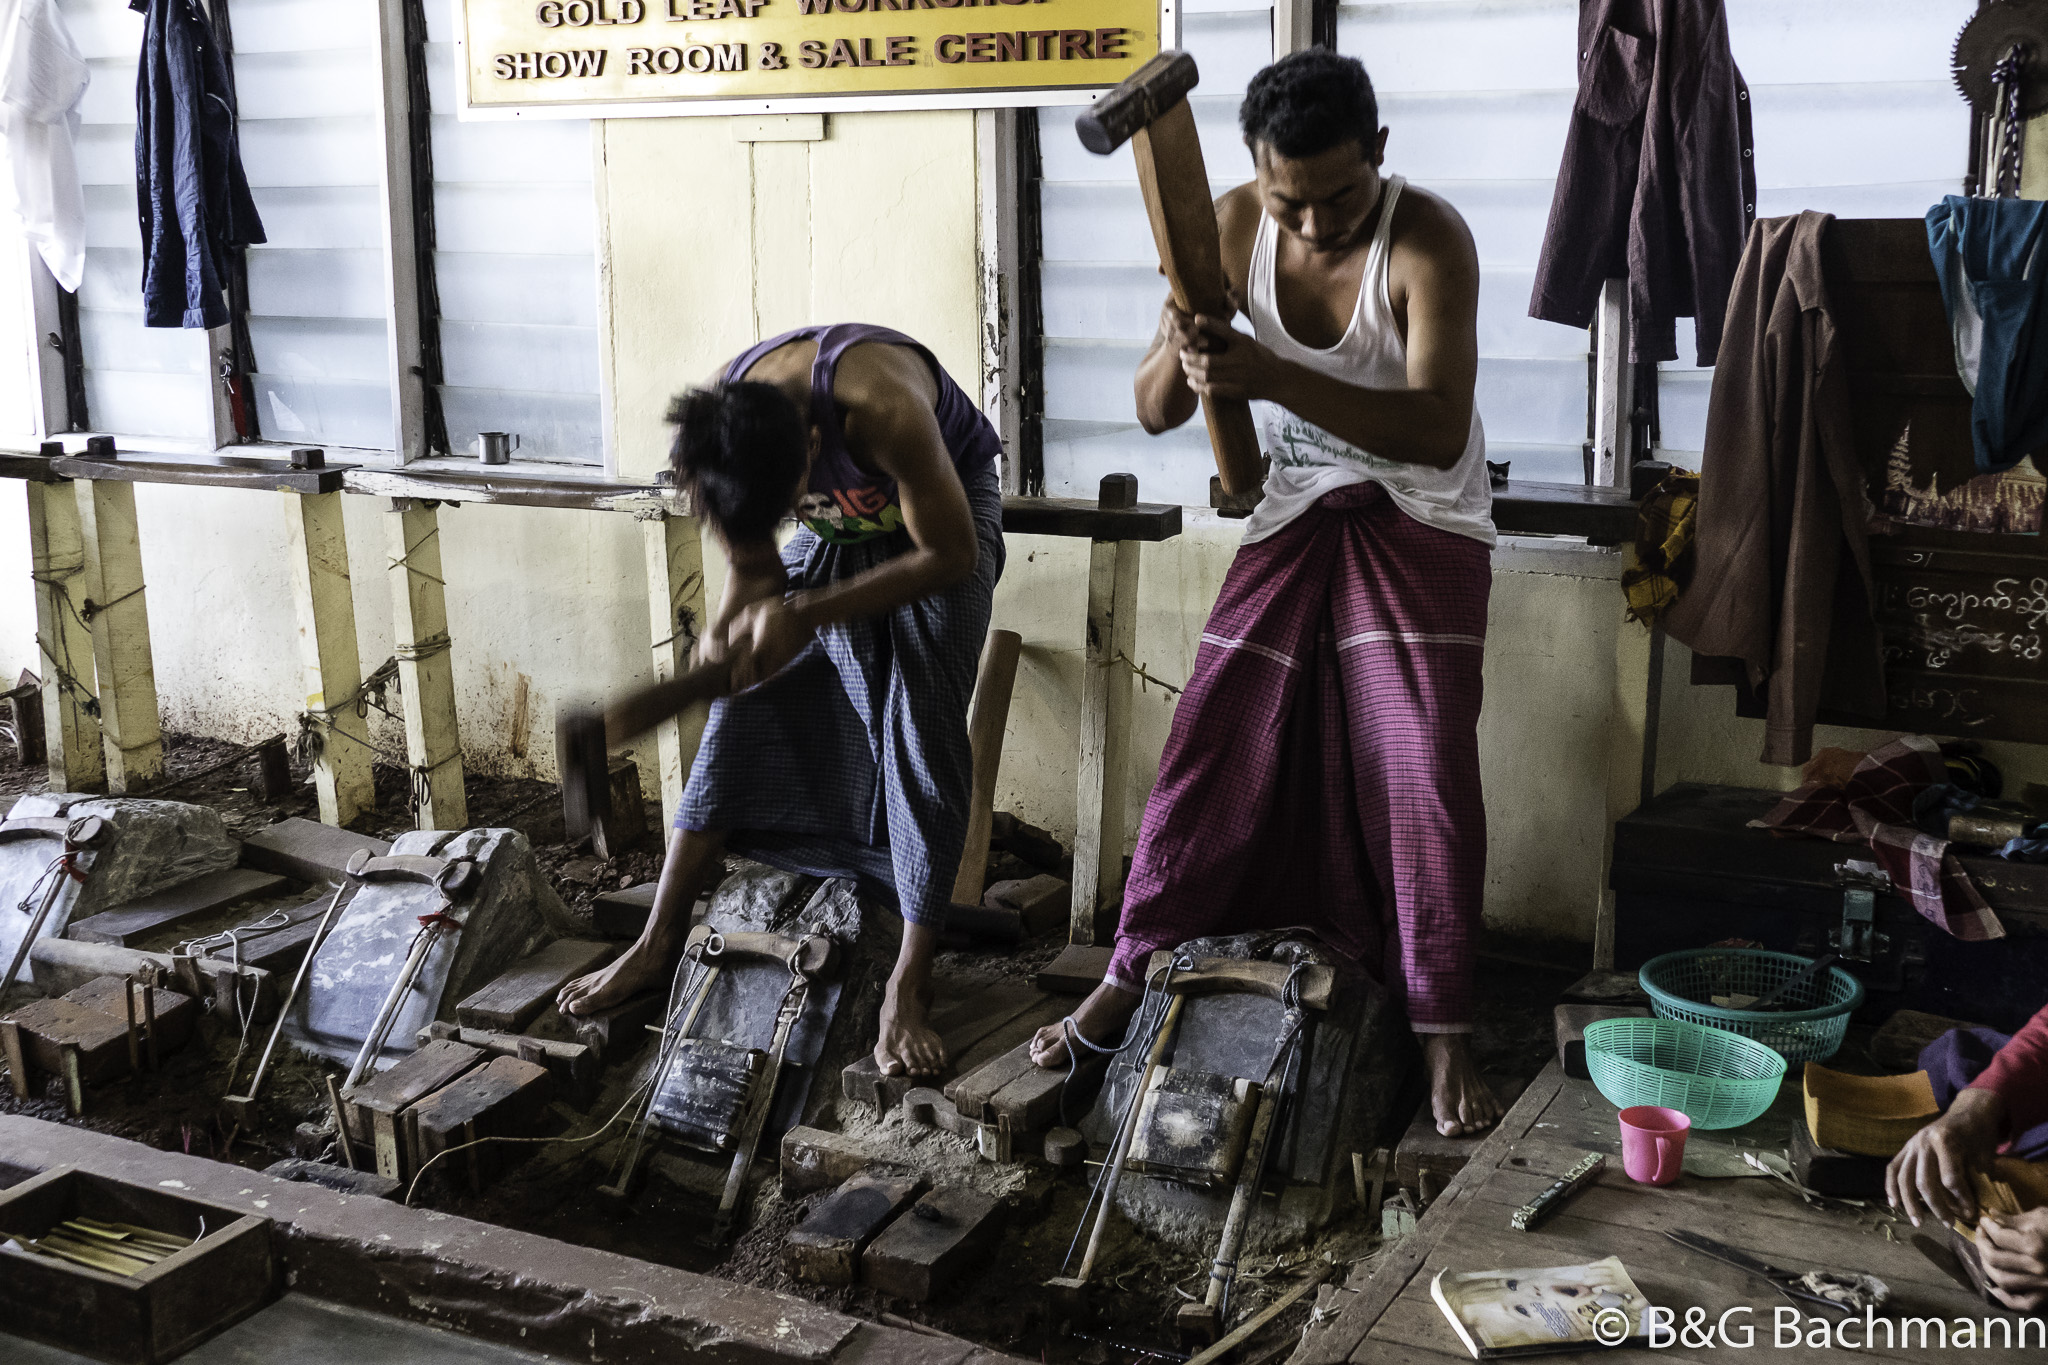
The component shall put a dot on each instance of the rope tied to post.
(404, 561)
(92, 608)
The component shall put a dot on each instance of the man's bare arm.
(1426, 423)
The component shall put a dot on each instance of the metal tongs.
(1851, 1293)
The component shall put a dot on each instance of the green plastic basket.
(1683, 985)
(1715, 1078)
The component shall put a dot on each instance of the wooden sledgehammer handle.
(1176, 189)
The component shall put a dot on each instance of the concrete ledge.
(491, 1282)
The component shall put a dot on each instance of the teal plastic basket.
(1683, 986)
(1715, 1078)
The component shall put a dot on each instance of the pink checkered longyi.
(1324, 762)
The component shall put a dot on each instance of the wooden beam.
(71, 733)
(401, 245)
(317, 548)
(1294, 23)
(675, 601)
(426, 666)
(118, 613)
(1105, 719)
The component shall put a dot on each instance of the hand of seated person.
(1930, 1177)
(2015, 1257)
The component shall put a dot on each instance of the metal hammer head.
(585, 766)
(1145, 94)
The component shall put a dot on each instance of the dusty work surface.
(550, 1188)
(1385, 1313)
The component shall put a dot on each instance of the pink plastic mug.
(1653, 1143)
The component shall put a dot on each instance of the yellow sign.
(610, 57)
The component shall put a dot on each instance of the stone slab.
(307, 849)
(826, 1246)
(494, 1283)
(1078, 970)
(126, 924)
(925, 1250)
(522, 991)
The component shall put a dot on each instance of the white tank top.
(1308, 462)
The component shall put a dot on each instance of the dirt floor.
(550, 1187)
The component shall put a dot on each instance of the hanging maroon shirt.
(1657, 182)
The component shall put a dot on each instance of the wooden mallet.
(1150, 111)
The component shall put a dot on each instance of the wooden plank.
(960, 1028)
(574, 1066)
(216, 471)
(117, 610)
(623, 914)
(813, 1159)
(1078, 970)
(279, 949)
(526, 988)
(1344, 1333)
(1604, 516)
(77, 762)
(971, 1091)
(203, 895)
(1032, 1100)
(410, 1080)
(826, 1246)
(316, 551)
(987, 719)
(426, 667)
(1425, 1154)
(1105, 734)
(1613, 388)
(1081, 518)
(674, 550)
(619, 1031)
(925, 1250)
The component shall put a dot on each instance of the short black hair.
(739, 449)
(1311, 101)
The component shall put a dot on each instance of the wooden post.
(1294, 24)
(1105, 718)
(994, 683)
(114, 606)
(676, 610)
(71, 734)
(317, 547)
(426, 673)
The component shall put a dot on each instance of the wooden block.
(1078, 970)
(1827, 1171)
(623, 914)
(1029, 842)
(1607, 988)
(1065, 1149)
(1427, 1156)
(176, 1015)
(1568, 1025)
(202, 895)
(574, 1066)
(827, 1244)
(813, 1159)
(528, 987)
(1032, 1101)
(932, 1109)
(972, 1091)
(624, 828)
(1041, 902)
(412, 1079)
(984, 924)
(505, 1097)
(618, 1032)
(307, 849)
(922, 1252)
(50, 1027)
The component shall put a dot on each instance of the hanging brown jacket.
(1783, 502)
(1657, 183)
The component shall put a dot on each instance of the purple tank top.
(844, 503)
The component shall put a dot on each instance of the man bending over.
(1323, 765)
(846, 755)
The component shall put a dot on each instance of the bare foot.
(1459, 1098)
(908, 1046)
(1101, 1019)
(641, 967)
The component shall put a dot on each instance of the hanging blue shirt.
(1987, 253)
(190, 193)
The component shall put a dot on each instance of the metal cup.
(496, 447)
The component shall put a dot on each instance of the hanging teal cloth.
(1987, 253)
